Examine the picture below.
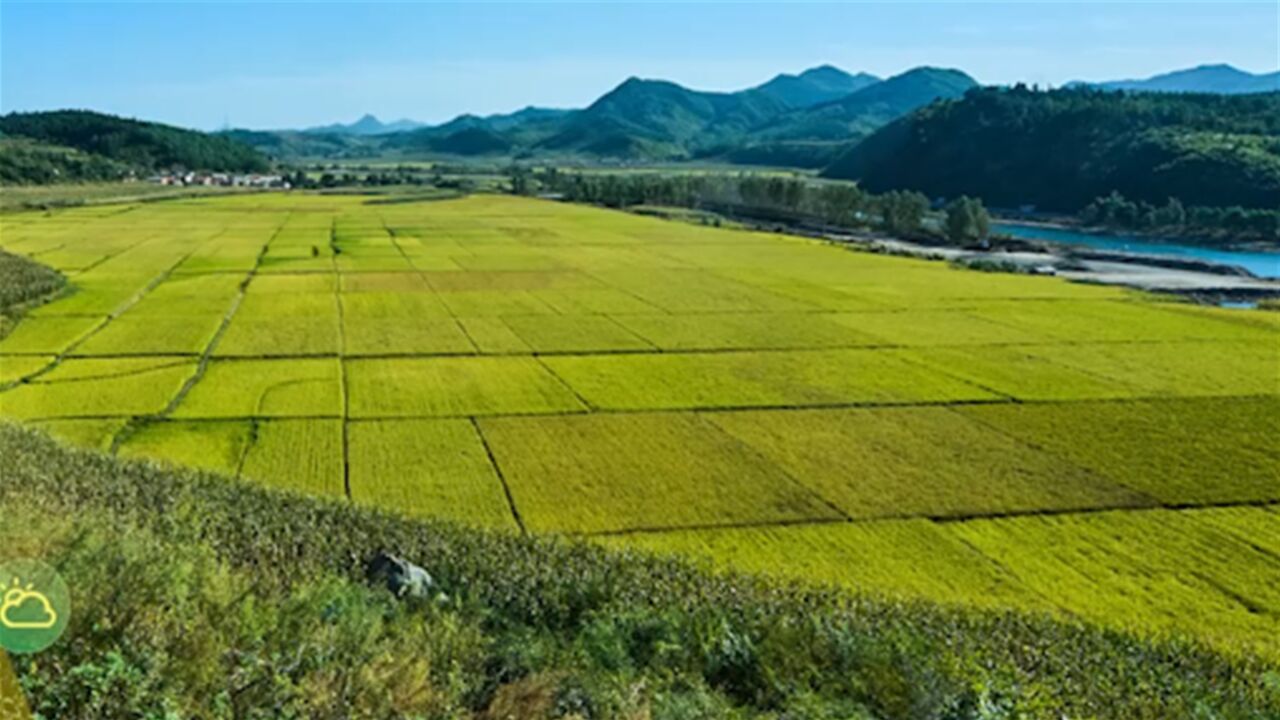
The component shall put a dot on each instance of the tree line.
(769, 198)
(1213, 224)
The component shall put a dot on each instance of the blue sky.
(291, 64)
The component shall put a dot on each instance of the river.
(1262, 264)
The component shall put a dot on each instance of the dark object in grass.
(401, 577)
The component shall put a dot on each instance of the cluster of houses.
(221, 179)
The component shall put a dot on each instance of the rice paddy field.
(754, 401)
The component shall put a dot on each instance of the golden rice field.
(755, 401)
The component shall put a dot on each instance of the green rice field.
(755, 401)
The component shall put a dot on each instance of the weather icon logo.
(34, 606)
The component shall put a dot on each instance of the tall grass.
(566, 627)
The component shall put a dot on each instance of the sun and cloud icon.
(25, 608)
(34, 606)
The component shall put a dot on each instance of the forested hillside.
(1061, 149)
(28, 162)
(140, 145)
(663, 116)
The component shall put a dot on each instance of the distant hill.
(856, 115)
(1222, 79)
(777, 123)
(367, 125)
(471, 141)
(815, 86)
(524, 117)
(1060, 149)
(661, 119)
(141, 145)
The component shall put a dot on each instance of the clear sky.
(293, 64)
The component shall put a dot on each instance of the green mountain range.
(800, 120)
(1059, 149)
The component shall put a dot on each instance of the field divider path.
(122, 374)
(202, 365)
(669, 410)
(343, 388)
(748, 449)
(255, 427)
(109, 256)
(934, 518)
(565, 384)
(655, 351)
(497, 470)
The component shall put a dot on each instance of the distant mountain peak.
(815, 86)
(368, 124)
(1218, 78)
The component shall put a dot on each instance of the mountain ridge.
(1219, 78)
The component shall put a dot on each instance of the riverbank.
(1199, 280)
(1262, 261)
(1203, 280)
(1222, 240)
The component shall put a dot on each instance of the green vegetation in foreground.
(1060, 149)
(551, 367)
(197, 596)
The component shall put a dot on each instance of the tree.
(902, 211)
(519, 181)
(967, 221)
(1172, 215)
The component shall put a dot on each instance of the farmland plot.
(434, 468)
(97, 387)
(265, 388)
(217, 446)
(756, 401)
(755, 379)
(297, 455)
(1178, 451)
(623, 472)
(445, 387)
(1155, 570)
(910, 559)
(918, 461)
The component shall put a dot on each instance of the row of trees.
(775, 198)
(1172, 218)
